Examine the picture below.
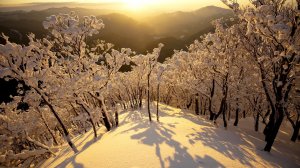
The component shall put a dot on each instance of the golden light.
(136, 4)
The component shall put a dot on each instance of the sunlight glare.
(136, 4)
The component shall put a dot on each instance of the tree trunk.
(141, 98)
(295, 126)
(212, 91)
(270, 124)
(197, 105)
(103, 112)
(48, 128)
(221, 109)
(91, 118)
(117, 118)
(236, 121)
(295, 132)
(266, 115)
(256, 122)
(65, 131)
(270, 138)
(211, 114)
(189, 103)
(224, 115)
(105, 118)
(157, 104)
(148, 98)
(201, 106)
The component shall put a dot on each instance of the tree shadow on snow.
(156, 134)
(229, 143)
(72, 158)
(139, 120)
(287, 156)
(132, 116)
(226, 142)
(139, 115)
(181, 113)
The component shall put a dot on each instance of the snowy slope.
(180, 140)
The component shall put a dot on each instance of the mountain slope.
(119, 29)
(184, 24)
(176, 30)
(179, 140)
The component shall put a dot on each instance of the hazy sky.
(137, 4)
(135, 7)
(99, 1)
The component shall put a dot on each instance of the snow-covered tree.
(272, 39)
(62, 74)
(149, 61)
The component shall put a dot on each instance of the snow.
(181, 139)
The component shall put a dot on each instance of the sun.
(136, 4)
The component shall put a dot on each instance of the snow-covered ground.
(180, 140)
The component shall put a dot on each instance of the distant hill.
(124, 32)
(184, 24)
(119, 29)
(104, 8)
(176, 30)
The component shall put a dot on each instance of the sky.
(100, 1)
(137, 8)
(136, 4)
(134, 8)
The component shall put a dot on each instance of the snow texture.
(180, 140)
